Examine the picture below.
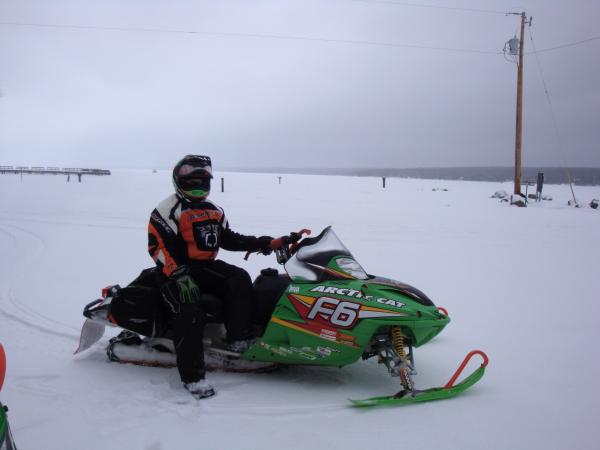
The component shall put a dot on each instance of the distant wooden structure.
(53, 171)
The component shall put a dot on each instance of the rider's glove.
(187, 291)
(264, 245)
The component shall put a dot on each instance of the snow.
(519, 283)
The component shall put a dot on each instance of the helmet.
(191, 177)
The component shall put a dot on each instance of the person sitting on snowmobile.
(185, 234)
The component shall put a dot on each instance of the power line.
(419, 5)
(553, 115)
(253, 35)
(555, 123)
(296, 38)
(594, 38)
(476, 10)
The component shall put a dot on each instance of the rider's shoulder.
(169, 202)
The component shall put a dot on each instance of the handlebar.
(285, 246)
(291, 239)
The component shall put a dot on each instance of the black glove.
(181, 288)
(264, 245)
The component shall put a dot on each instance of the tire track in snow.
(12, 237)
(74, 223)
(39, 386)
(30, 318)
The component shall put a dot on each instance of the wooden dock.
(68, 171)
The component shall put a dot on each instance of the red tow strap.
(450, 383)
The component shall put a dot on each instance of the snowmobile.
(6, 439)
(325, 310)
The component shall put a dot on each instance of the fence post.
(222, 184)
(540, 186)
(383, 178)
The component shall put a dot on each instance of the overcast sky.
(294, 83)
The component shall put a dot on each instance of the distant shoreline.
(583, 176)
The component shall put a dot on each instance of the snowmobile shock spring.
(398, 343)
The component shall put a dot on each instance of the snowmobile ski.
(438, 393)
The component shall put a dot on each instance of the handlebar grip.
(278, 242)
(292, 238)
(297, 236)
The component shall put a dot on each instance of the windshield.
(323, 257)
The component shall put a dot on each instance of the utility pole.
(519, 125)
(519, 132)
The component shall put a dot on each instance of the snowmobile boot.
(200, 389)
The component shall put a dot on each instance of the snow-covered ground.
(520, 283)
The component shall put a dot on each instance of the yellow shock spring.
(398, 342)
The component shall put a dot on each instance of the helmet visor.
(194, 186)
(197, 170)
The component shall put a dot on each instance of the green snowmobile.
(325, 311)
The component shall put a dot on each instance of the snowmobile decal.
(284, 350)
(339, 313)
(304, 352)
(338, 291)
(317, 331)
(356, 294)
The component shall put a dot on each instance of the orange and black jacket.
(181, 233)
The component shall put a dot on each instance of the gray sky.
(250, 95)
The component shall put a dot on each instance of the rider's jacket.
(182, 233)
